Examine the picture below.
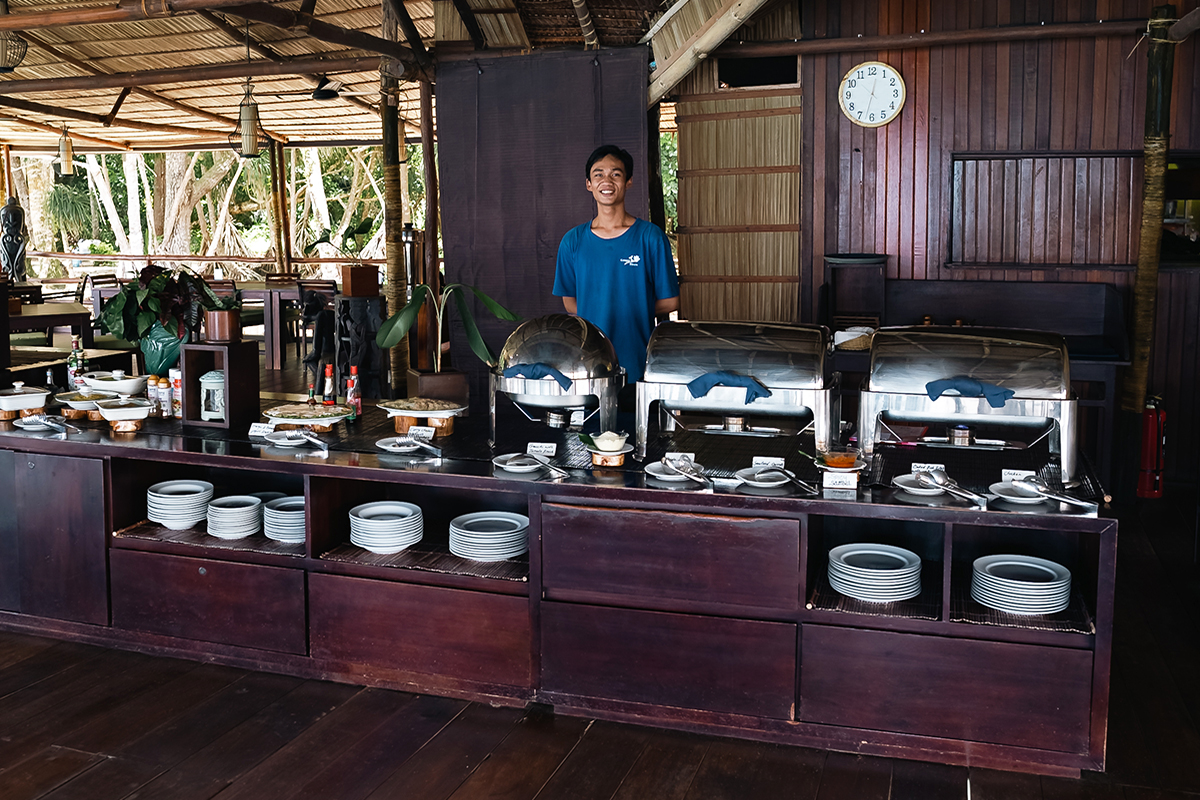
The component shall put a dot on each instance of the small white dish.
(858, 466)
(21, 397)
(618, 452)
(30, 425)
(124, 408)
(114, 382)
(610, 442)
(655, 469)
(392, 444)
(1011, 493)
(909, 483)
(83, 400)
(517, 462)
(767, 477)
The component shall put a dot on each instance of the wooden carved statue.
(12, 240)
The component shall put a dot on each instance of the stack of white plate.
(876, 573)
(178, 505)
(235, 517)
(387, 526)
(1021, 584)
(489, 535)
(283, 519)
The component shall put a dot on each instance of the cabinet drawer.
(1014, 694)
(212, 601)
(680, 660)
(474, 636)
(670, 561)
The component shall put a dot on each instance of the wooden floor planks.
(79, 722)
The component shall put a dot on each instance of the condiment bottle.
(176, 392)
(312, 395)
(329, 398)
(353, 397)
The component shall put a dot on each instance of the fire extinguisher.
(1154, 445)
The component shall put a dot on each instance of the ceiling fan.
(327, 90)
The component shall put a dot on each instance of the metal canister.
(961, 435)
(735, 424)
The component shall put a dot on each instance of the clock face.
(872, 94)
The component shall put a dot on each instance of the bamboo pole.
(7, 173)
(432, 278)
(1157, 134)
(396, 286)
(285, 216)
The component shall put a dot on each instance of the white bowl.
(106, 382)
(21, 397)
(609, 441)
(84, 400)
(124, 408)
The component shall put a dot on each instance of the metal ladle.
(1036, 485)
(938, 479)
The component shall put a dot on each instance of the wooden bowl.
(126, 425)
(442, 426)
(602, 459)
(31, 412)
(403, 423)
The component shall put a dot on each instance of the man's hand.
(570, 305)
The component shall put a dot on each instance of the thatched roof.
(76, 45)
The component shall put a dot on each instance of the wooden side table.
(239, 360)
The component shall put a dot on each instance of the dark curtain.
(514, 135)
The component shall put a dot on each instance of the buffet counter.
(704, 608)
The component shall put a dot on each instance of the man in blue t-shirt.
(616, 271)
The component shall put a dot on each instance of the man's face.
(607, 182)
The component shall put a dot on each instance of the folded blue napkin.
(702, 385)
(969, 387)
(536, 372)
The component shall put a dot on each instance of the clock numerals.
(864, 94)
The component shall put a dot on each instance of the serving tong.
(787, 473)
(528, 459)
(302, 435)
(683, 465)
(1036, 485)
(54, 423)
(938, 479)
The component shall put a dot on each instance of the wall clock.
(872, 94)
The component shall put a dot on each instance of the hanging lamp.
(66, 154)
(12, 47)
(248, 138)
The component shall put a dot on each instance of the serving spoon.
(688, 469)
(938, 479)
(1031, 483)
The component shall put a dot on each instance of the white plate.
(267, 497)
(503, 463)
(287, 505)
(627, 448)
(413, 412)
(179, 488)
(1005, 490)
(746, 476)
(235, 502)
(285, 439)
(490, 523)
(27, 425)
(875, 557)
(657, 470)
(390, 444)
(1019, 571)
(910, 484)
(385, 510)
(858, 465)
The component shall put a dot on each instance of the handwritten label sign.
(767, 461)
(422, 432)
(839, 480)
(1012, 474)
(547, 449)
(930, 467)
(840, 494)
(261, 428)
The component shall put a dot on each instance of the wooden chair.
(326, 288)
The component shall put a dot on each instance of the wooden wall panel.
(892, 189)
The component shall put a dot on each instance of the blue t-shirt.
(616, 282)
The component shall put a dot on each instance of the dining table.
(44, 316)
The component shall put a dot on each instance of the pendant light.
(12, 47)
(249, 138)
(66, 154)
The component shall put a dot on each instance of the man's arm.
(661, 307)
(572, 307)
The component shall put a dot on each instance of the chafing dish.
(1032, 364)
(575, 348)
(788, 360)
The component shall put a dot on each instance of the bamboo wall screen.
(1045, 211)
(739, 205)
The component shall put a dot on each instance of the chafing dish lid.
(572, 345)
(1031, 363)
(777, 355)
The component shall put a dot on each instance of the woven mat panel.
(927, 605)
(1073, 619)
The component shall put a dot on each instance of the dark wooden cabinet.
(998, 692)
(671, 561)
(52, 539)
(384, 628)
(683, 660)
(249, 605)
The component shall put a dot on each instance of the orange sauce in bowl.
(840, 459)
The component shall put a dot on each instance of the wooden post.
(396, 287)
(8, 184)
(285, 217)
(432, 275)
(1157, 136)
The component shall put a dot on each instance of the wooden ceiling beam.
(97, 119)
(123, 11)
(146, 93)
(411, 34)
(193, 74)
(41, 126)
(112, 115)
(472, 24)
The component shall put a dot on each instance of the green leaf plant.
(392, 331)
(172, 297)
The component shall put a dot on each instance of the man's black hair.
(609, 150)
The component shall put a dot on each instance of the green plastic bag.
(161, 350)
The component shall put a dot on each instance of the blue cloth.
(969, 387)
(616, 282)
(702, 385)
(537, 372)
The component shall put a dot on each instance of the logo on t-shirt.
(632, 261)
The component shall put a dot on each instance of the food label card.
(261, 428)
(767, 461)
(547, 449)
(422, 432)
(839, 480)
(1011, 475)
(919, 467)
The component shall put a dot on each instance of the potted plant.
(442, 384)
(157, 311)
(222, 315)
